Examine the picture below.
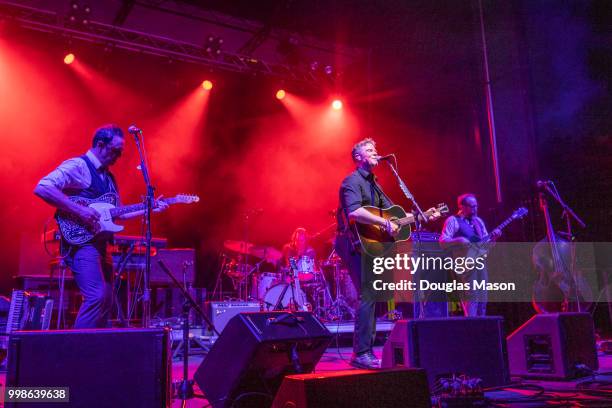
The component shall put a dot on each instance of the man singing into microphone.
(359, 189)
(88, 176)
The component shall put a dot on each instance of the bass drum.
(274, 293)
(262, 282)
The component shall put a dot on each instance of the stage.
(336, 359)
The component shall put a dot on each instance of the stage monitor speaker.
(556, 346)
(406, 388)
(474, 346)
(100, 367)
(247, 363)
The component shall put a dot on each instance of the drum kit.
(258, 274)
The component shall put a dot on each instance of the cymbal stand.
(340, 304)
(243, 287)
(219, 281)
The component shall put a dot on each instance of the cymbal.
(268, 253)
(242, 247)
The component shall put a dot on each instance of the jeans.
(474, 301)
(92, 271)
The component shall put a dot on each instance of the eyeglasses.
(116, 150)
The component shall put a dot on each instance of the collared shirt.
(73, 173)
(358, 189)
(451, 227)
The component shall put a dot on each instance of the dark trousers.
(365, 321)
(92, 271)
(474, 301)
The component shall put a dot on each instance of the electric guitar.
(75, 232)
(376, 241)
(480, 247)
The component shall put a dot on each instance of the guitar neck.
(405, 221)
(503, 225)
(410, 219)
(126, 209)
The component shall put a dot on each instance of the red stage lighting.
(69, 59)
(337, 104)
(280, 94)
(207, 85)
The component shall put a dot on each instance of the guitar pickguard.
(71, 227)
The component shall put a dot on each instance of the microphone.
(134, 130)
(385, 157)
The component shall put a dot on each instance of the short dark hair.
(461, 199)
(105, 134)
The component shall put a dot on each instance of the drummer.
(297, 247)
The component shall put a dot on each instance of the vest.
(97, 187)
(466, 230)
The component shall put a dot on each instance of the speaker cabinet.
(348, 389)
(553, 346)
(474, 346)
(100, 367)
(255, 351)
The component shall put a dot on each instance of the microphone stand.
(149, 199)
(185, 388)
(567, 211)
(416, 205)
(407, 192)
(568, 214)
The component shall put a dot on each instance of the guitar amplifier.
(180, 261)
(221, 312)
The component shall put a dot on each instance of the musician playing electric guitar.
(459, 232)
(88, 176)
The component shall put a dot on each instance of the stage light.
(206, 84)
(337, 104)
(280, 94)
(69, 58)
(213, 45)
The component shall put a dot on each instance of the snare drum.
(261, 282)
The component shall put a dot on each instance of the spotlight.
(213, 45)
(337, 104)
(280, 94)
(328, 70)
(69, 58)
(206, 84)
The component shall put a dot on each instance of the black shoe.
(366, 360)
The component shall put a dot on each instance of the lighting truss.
(99, 33)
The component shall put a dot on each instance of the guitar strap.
(381, 194)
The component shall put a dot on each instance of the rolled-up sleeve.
(350, 196)
(451, 226)
(73, 173)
